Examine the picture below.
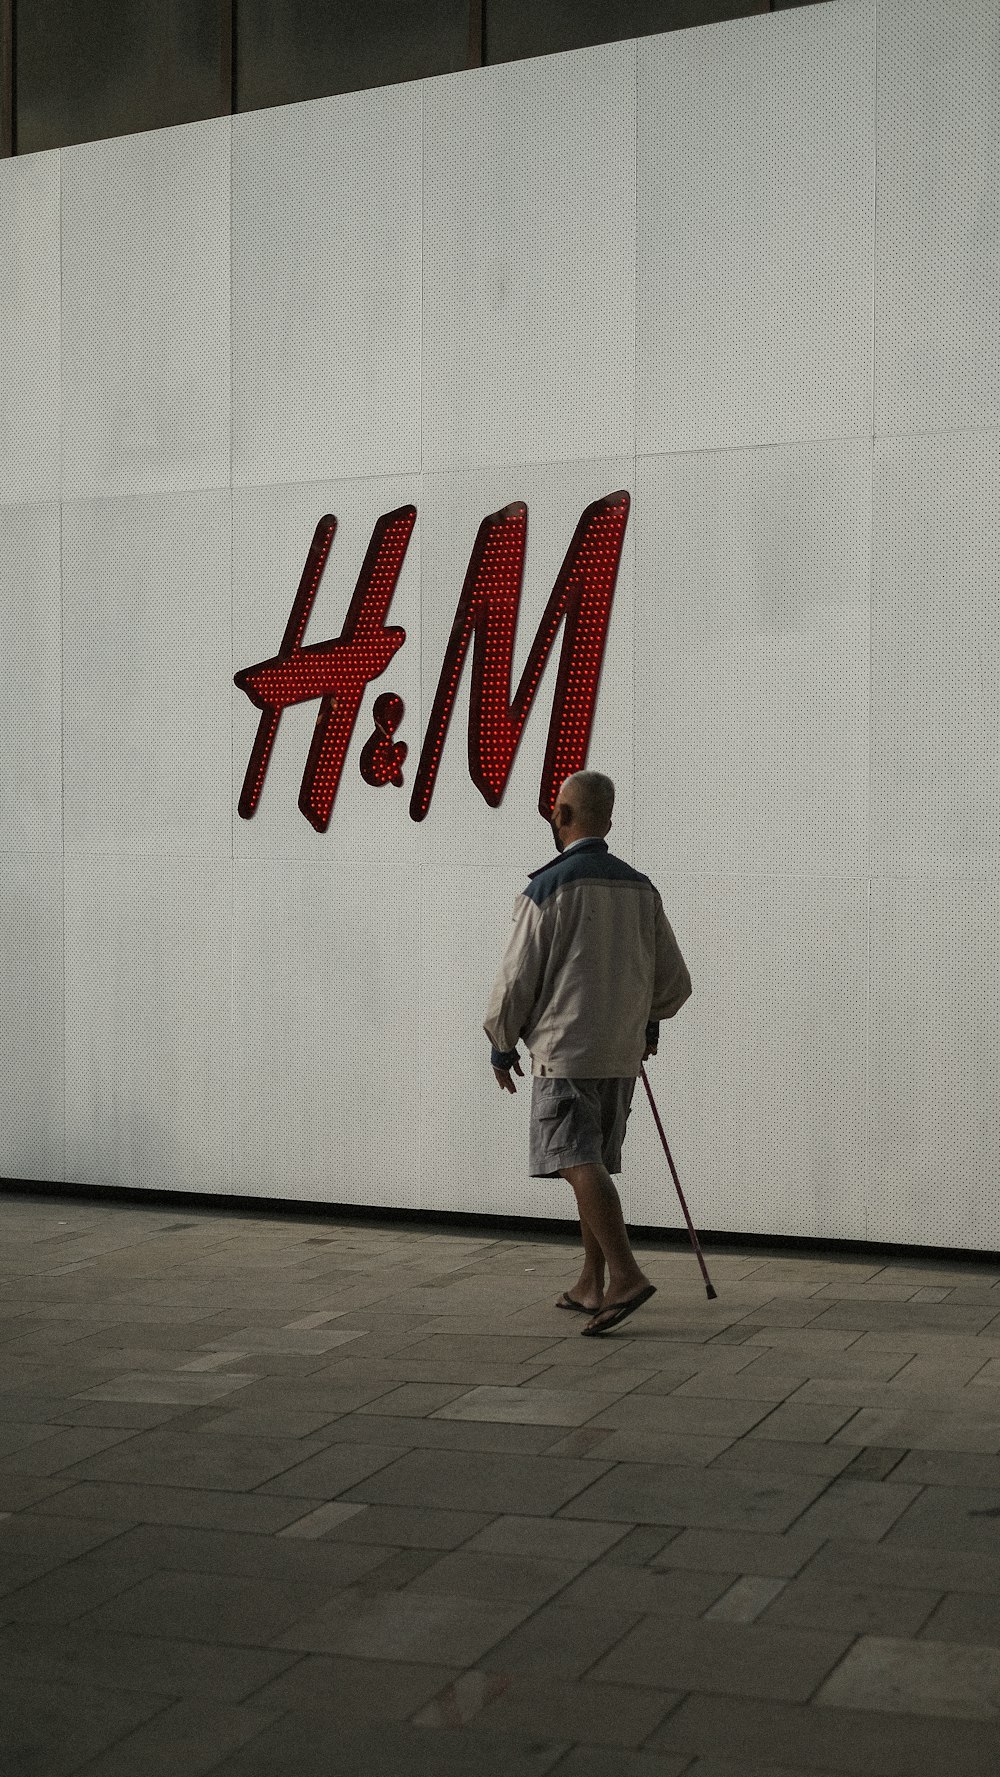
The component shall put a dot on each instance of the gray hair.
(593, 797)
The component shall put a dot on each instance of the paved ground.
(281, 1498)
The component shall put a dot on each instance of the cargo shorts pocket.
(554, 1103)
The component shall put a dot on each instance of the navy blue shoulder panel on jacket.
(587, 862)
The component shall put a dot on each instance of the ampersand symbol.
(381, 757)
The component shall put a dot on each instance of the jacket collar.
(577, 845)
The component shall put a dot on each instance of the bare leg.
(589, 1286)
(601, 1217)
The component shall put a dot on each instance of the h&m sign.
(338, 672)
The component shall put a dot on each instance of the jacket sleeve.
(671, 981)
(519, 977)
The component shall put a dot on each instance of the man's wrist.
(652, 1033)
(503, 1058)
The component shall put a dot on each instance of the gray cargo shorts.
(577, 1123)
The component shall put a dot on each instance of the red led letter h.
(336, 672)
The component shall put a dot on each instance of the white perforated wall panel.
(755, 218)
(329, 1052)
(752, 680)
(29, 328)
(529, 261)
(273, 528)
(760, 1080)
(148, 1020)
(938, 249)
(146, 725)
(326, 288)
(30, 620)
(146, 311)
(31, 1025)
(936, 656)
(935, 1062)
(650, 266)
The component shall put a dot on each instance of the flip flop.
(568, 1301)
(618, 1311)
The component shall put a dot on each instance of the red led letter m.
(487, 617)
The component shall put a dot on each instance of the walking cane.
(709, 1286)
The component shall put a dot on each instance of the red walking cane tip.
(711, 1292)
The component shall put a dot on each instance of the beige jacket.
(591, 967)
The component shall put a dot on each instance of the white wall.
(749, 272)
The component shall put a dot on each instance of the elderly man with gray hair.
(591, 967)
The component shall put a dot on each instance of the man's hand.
(650, 1050)
(504, 1080)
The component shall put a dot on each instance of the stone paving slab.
(748, 1384)
(294, 1494)
(707, 1417)
(18, 1437)
(952, 1518)
(302, 1745)
(713, 1767)
(167, 1458)
(524, 1704)
(967, 1617)
(786, 1457)
(637, 1444)
(167, 1388)
(67, 1592)
(51, 1729)
(218, 1609)
(849, 1743)
(154, 1665)
(652, 1493)
(202, 1507)
(409, 1527)
(522, 1406)
(916, 1678)
(861, 1509)
(747, 1599)
(65, 1448)
(613, 1377)
(724, 1551)
(70, 1410)
(185, 1739)
(504, 1579)
(559, 1640)
(557, 1539)
(440, 1434)
(673, 1592)
(909, 1565)
(745, 1660)
(19, 1491)
(438, 1627)
(331, 1470)
(480, 1481)
(944, 1317)
(919, 1428)
(31, 1545)
(152, 1548)
(872, 1609)
(593, 1761)
(947, 1394)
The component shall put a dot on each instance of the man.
(591, 968)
